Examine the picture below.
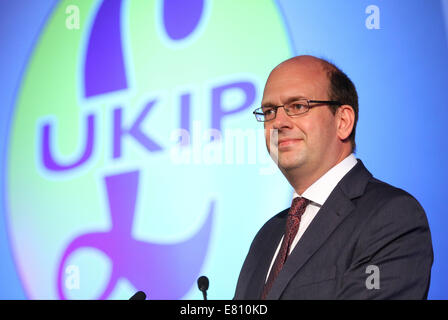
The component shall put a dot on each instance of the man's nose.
(281, 120)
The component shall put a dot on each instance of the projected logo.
(96, 206)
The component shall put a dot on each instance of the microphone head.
(140, 295)
(203, 283)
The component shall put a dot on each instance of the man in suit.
(347, 235)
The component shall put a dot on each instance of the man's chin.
(288, 165)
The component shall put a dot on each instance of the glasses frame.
(320, 103)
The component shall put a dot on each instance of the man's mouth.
(283, 143)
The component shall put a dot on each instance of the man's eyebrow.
(268, 105)
(289, 100)
(295, 98)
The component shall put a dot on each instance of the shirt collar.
(320, 190)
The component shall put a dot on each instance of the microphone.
(139, 295)
(203, 285)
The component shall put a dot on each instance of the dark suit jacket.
(363, 222)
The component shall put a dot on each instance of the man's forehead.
(299, 67)
(295, 79)
(305, 60)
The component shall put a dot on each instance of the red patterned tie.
(298, 207)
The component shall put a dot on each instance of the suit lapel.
(269, 244)
(337, 207)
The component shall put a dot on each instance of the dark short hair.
(342, 89)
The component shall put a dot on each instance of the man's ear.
(345, 120)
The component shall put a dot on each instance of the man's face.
(304, 141)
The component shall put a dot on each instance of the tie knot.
(298, 206)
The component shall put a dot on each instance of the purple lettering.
(48, 158)
(134, 131)
(217, 105)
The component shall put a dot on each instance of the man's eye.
(297, 106)
(268, 111)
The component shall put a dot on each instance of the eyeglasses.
(292, 109)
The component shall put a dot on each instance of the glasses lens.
(269, 113)
(292, 109)
(296, 108)
(259, 115)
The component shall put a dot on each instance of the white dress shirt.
(318, 193)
